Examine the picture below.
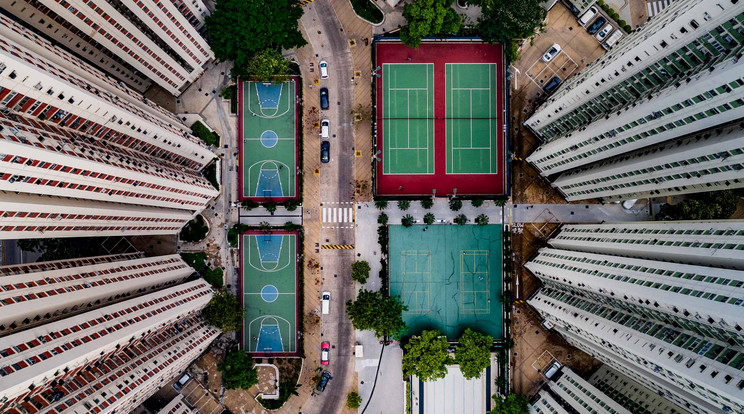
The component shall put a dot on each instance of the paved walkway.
(576, 213)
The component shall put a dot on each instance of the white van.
(614, 37)
(325, 128)
(554, 367)
(325, 303)
(588, 16)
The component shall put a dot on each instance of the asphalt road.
(336, 185)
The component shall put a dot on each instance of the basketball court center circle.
(269, 139)
(269, 293)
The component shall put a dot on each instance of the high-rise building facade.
(37, 293)
(105, 360)
(566, 392)
(635, 397)
(138, 42)
(662, 303)
(677, 78)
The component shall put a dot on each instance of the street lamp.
(454, 192)
(376, 156)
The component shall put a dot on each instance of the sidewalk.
(577, 213)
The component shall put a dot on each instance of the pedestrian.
(409, 58)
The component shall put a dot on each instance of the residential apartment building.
(566, 392)
(38, 293)
(137, 42)
(41, 81)
(105, 360)
(635, 397)
(661, 303)
(678, 77)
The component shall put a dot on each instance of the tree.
(510, 21)
(481, 220)
(429, 218)
(238, 371)
(291, 205)
(427, 203)
(270, 206)
(407, 220)
(353, 400)
(428, 18)
(373, 311)
(267, 65)
(513, 404)
(360, 271)
(195, 230)
(455, 204)
(473, 353)
(426, 356)
(703, 206)
(382, 219)
(461, 219)
(500, 202)
(249, 204)
(381, 204)
(237, 30)
(477, 202)
(223, 311)
(404, 204)
(234, 233)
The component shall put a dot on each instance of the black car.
(596, 25)
(325, 151)
(323, 98)
(324, 378)
(552, 84)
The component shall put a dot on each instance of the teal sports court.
(269, 132)
(449, 277)
(269, 286)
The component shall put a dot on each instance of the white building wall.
(583, 397)
(546, 404)
(26, 216)
(635, 396)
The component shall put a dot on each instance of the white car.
(604, 32)
(325, 128)
(325, 302)
(588, 16)
(551, 53)
(323, 69)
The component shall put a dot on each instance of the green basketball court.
(472, 124)
(268, 129)
(409, 118)
(269, 293)
(449, 277)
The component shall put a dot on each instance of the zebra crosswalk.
(337, 215)
(655, 7)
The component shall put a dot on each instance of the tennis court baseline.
(269, 293)
(408, 112)
(472, 118)
(269, 149)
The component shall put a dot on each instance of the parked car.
(325, 127)
(323, 69)
(596, 25)
(551, 86)
(323, 98)
(588, 16)
(551, 53)
(600, 36)
(614, 37)
(324, 378)
(325, 152)
(325, 303)
(325, 353)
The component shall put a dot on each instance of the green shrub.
(196, 260)
(627, 28)
(291, 205)
(196, 230)
(381, 204)
(270, 207)
(231, 93)
(353, 400)
(427, 203)
(249, 204)
(455, 204)
(622, 23)
(210, 173)
(214, 276)
(481, 220)
(429, 218)
(234, 233)
(360, 271)
(461, 219)
(477, 202)
(404, 204)
(209, 137)
(367, 11)
(407, 220)
(382, 219)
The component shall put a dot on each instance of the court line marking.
(248, 175)
(474, 254)
(264, 270)
(291, 346)
(426, 274)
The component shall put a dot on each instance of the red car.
(325, 352)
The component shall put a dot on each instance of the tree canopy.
(223, 311)
(703, 206)
(237, 30)
(371, 310)
(426, 356)
(360, 271)
(513, 404)
(428, 18)
(238, 371)
(267, 65)
(473, 353)
(508, 21)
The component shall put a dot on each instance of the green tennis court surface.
(472, 112)
(269, 293)
(269, 140)
(409, 118)
(449, 277)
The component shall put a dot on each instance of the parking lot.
(560, 65)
